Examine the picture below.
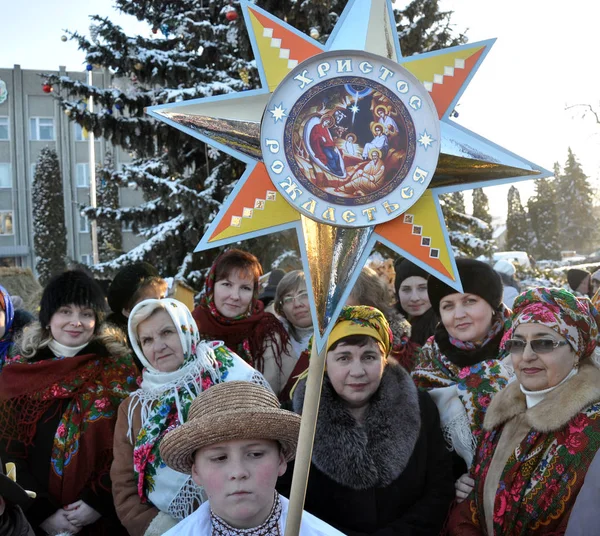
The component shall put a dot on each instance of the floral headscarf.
(165, 397)
(362, 320)
(575, 318)
(9, 314)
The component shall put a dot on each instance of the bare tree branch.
(589, 109)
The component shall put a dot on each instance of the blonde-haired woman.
(58, 406)
(149, 497)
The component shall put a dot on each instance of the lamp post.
(92, 158)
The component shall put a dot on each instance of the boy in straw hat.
(235, 444)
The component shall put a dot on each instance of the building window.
(83, 175)
(79, 132)
(4, 129)
(84, 224)
(126, 227)
(41, 128)
(5, 176)
(6, 222)
(86, 259)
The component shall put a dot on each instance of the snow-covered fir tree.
(194, 48)
(518, 234)
(543, 214)
(481, 211)
(49, 231)
(577, 222)
(110, 240)
(469, 236)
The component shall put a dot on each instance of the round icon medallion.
(350, 138)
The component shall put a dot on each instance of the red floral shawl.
(94, 386)
(540, 481)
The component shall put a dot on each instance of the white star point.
(425, 140)
(278, 113)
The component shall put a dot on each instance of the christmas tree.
(518, 233)
(197, 48)
(110, 240)
(50, 234)
(578, 224)
(481, 211)
(543, 213)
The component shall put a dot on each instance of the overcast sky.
(543, 60)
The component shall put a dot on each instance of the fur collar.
(467, 358)
(373, 454)
(555, 411)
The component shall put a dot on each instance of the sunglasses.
(538, 346)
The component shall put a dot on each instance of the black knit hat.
(575, 276)
(72, 287)
(127, 282)
(405, 269)
(476, 277)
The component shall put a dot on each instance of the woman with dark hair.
(413, 301)
(58, 408)
(379, 464)
(460, 366)
(370, 290)
(230, 311)
(132, 284)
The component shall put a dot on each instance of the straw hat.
(229, 411)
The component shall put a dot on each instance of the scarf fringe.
(188, 499)
(189, 380)
(457, 433)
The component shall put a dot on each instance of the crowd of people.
(442, 412)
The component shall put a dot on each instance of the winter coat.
(531, 462)
(137, 517)
(390, 475)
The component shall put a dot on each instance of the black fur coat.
(390, 475)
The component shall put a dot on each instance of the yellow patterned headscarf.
(362, 320)
(356, 320)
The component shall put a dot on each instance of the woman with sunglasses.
(542, 432)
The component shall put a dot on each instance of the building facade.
(30, 120)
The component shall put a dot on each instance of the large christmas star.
(334, 254)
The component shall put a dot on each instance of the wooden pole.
(310, 411)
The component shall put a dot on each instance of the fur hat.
(405, 269)
(76, 287)
(126, 283)
(476, 277)
(225, 412)
(575, 276)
